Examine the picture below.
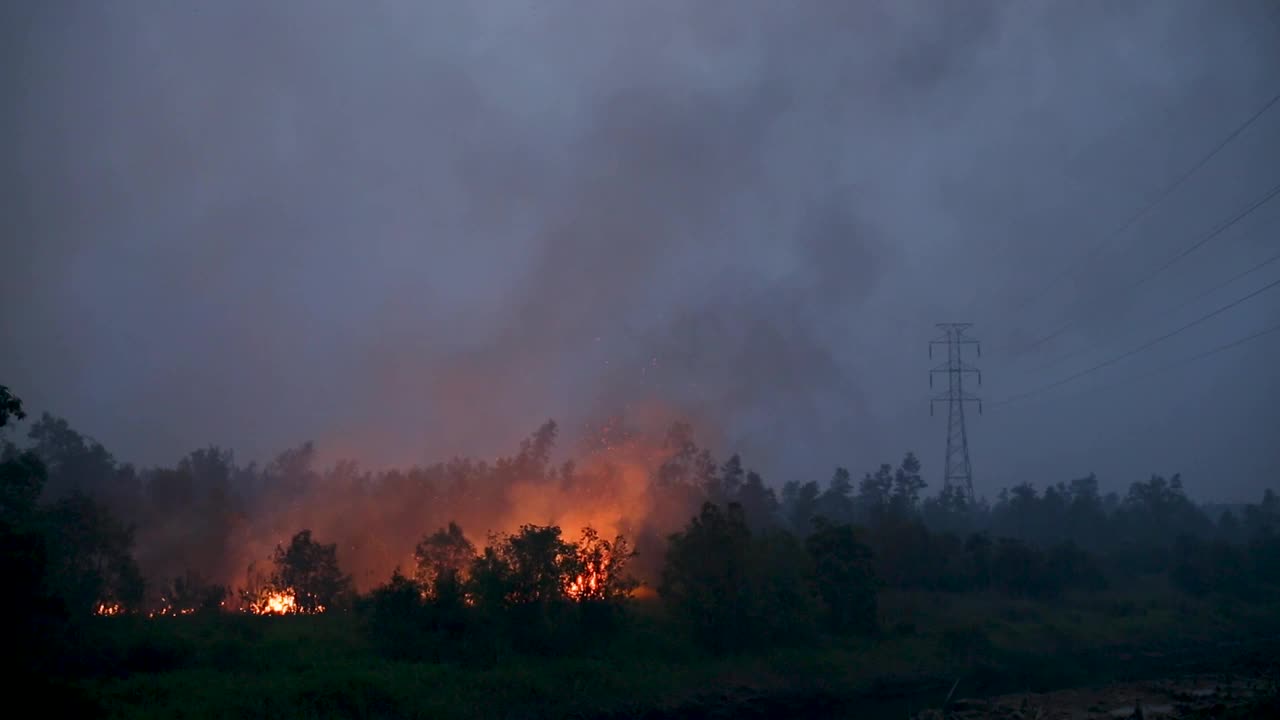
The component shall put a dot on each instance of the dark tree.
(311, 570)
(397, 621)
(907, 485)
(875, 493)
(90, 557)
(800, 504)
(540, 562)
(443, 557)
(10, 406)
(191, 593)
(724, 487)
(75, 463)
(844, 578)
(836, 502)
(704, 582)
(534, 458)
(759, 504)
(22, 479)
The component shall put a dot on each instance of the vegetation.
(832, 593)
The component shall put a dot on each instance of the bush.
(397, 620)
(732, 590)
(844, 578)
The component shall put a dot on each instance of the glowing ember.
(108, 609)
(167, 610)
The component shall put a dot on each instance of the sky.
(409, 230)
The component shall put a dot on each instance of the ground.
(1027, 659)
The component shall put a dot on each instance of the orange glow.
(591, 583)
(168, 610)
(279, 602)
(644, 592)
(275, 603)
(107, 609)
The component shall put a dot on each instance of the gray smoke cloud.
(412, 230)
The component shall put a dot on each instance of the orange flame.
(279, 602)
(591, 583)
(108, 609)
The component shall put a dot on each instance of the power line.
(1167, 312)
(1212, 234)
(1135, 351)
(1187, 361)
(1168, 190)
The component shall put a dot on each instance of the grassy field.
(323, 666)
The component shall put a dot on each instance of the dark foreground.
(967, 656)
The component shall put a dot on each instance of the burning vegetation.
(277, 602)
(748, 567)
(108, 609)
(206, 520)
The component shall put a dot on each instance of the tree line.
(740, 567)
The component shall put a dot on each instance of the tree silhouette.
(705, 582)
(10, 406)
(310, 569)
(875, 494)
(836, 502)
(759, 504)
(90, 556)
(601, 567)
(800, 504)
(443, 557)
(844, 577)
(907, 485)
(540, 564)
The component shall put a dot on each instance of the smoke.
(409, 231)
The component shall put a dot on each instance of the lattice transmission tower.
(959, 471)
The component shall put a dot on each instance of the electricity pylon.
(959, 472)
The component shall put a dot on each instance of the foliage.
(311, 570)
(731, 589)
(602, 568)
(396, 619)
(10, 406)
(90, 557)
(443, 557)
(844, 577)
(192, 593)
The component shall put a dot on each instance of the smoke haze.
(409, 231)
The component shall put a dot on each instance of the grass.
(320, 667)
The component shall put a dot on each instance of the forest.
(644, 578)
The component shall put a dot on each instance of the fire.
(591, 583)
(275, 602)
(601, 563)
(167, 609)
(107, 609)
(279, 602)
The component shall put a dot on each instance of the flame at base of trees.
(108, 609)
(167, 609)
(270, 601)
(305, 580)
(599, 568)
